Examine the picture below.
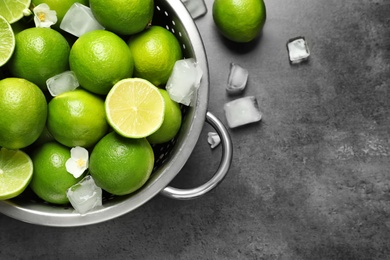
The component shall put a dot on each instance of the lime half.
(135, 108)
(13, 11)
(16, 170)
(7, 41)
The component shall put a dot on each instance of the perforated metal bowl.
(170, 158)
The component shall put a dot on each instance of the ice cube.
(196, 8)
(238, 76)
(60, 83)
(79, 20)
(213, 139)
(298, 50)
(184, 81)
(242, 111)
(85, 195)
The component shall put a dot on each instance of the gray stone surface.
(310, 181)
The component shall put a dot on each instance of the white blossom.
(78, 161)
(43, 16)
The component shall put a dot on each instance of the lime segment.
(7, 41)
(135, 108)
(13, 11)
(16, 171)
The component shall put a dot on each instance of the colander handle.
(227, 154)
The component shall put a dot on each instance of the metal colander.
(170, 157)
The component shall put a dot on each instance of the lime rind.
(16, 169)
(14, 10)
(7, 41)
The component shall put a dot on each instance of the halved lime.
(16, 170)
(135, 108)
(7, 41)
(13, 11)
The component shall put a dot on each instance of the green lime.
(50, 179)
(16, 170)
(239, 20)
(60, 6)
(23, 113)
(13, 11)
(134, 108)
(77, 118)
(100, 59)
(7, 41)
(155, 51)
(122, 16)
(121, 165)
(171, 124)
(40, 53)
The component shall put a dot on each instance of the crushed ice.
(213, 139)
(242, 111)
(298, 50)
(63, 82)
(79, 20)
(196, 8)
(184, 81)
(85, 195)
(238, 77)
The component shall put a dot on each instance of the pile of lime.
(119, 112)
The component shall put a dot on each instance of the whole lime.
(121, 165)
(100, 59)
(239, 20)
(23, 113)
(122, 16)
(39, 54)
(77, 118)
(50, 179)
(155, 51)
(171, 124)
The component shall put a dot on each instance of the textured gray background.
(311, 181)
